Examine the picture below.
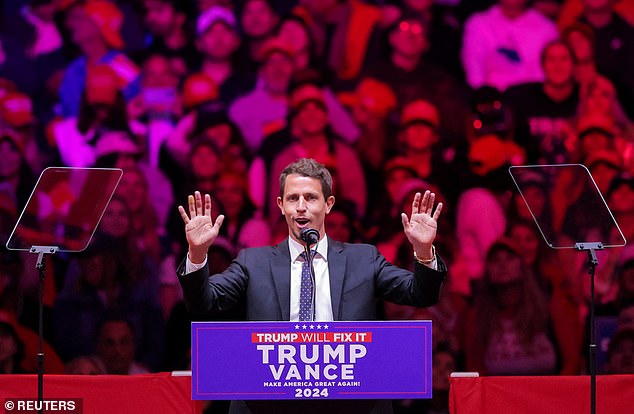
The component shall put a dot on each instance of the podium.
(311, 361)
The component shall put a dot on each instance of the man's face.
(84, 31)
(409, 38)
(303, 205)
(558, 65)
(258, 20)
(160, 17)
(218, 42)
(116, 347)
(277, 71)
(311, 119)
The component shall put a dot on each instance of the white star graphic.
(325, 326)
(304, 326)
(312, 326)
(296, 326)
(318, 326)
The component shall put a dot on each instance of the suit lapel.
(281, 273)
(336, 271)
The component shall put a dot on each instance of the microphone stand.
(309, 257)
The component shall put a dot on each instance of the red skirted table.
(535, 395)
(109, 394)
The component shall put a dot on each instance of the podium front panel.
(311, 360)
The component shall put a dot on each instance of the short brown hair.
(308, 167)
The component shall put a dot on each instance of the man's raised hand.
(199, 228)
(421, 227)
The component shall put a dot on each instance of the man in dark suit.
(348, 277)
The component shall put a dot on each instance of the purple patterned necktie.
(306, 290)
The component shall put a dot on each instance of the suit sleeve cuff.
(192, 267)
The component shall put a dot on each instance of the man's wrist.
(197, 258)
(426, 260)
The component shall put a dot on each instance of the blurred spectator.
(383, 215)
(599, 105)
(199, 174)
(412, 77)
(84, 365)
(549, 8)
(625, 317)
(542, 110)
(342, 223)
(242, 227)
(481, 211)
(218, 40)
(146, 224)
(102, 109)
(445, 33)
(580, 38)
(572, 9)
(346, 34)
(614, 46)
(199, 93)
(371, 104)
(16, 177)
(33, 47)
(116, 347)
(95, 29)
(29, 346)
(258, 20)
(155, 112)
(508, 329)
(116, 149)
(166, 20)
(11, 350)
(110, 277)
(276, 70)
(620, 359)
(560, 286)
(420, 142)
(312, 137)
(502, 45)
(295, 31)
(16, 112)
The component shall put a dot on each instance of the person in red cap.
(16, 113)
(371, 104)
(311, 136)
(95, 29)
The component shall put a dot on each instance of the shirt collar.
(296, 248)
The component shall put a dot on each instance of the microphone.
(309, 236)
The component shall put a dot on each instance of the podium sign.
(311, 360)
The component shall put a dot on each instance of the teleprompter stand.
(578, 218)
(61, 215)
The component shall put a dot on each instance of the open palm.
(200, 230)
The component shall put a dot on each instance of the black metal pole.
(593, 339)
(41, 267)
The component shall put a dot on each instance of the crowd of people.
(393, 96)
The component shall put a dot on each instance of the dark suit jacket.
(260, 279)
